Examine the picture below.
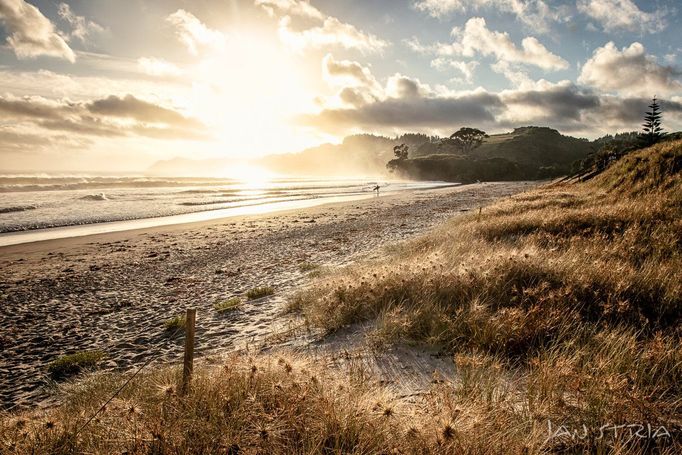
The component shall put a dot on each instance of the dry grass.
(249, 405)
(560, 307)
(575, 289)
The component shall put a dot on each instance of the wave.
(18, 208)
(24, 184)
(95, 197)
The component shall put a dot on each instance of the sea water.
(87, 205)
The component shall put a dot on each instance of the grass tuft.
(259, 292)
(72, 364)
(176, 323)
(305, 267)
(228, 305)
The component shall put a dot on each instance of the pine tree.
(652, 131)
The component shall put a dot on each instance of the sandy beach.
(113, 292)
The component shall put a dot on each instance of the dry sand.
(113, 292)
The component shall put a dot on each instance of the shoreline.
(264, 208)
(114, 291)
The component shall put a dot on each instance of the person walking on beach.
(376, 188)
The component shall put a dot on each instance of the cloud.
(466, 69)
(134, 108)
(404, 87)
(30, 33)
(440, 8)
(31, 107)
(81, 28)
(516, 76)
(290, 7)
(615, 15)
(533, 13)
(562, 101)
(477, 38)
(410, 112)
(110, 116)
(346, 72)
(158, 67)
(401, 102)
(332, 32)
(405, 103)
(193, 33)
(629, 70)
(615, 110)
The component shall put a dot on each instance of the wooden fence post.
(188, 365)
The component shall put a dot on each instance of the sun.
(249, 90)
(250, 177)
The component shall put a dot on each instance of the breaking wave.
(19, 208)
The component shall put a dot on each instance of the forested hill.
(525, 153)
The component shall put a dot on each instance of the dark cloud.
(99, 117)
(134, 108)
(31, 108)
(85, 126)
(411, 112)
(630, 110)
(562, 101)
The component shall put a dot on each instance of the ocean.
(41, 204)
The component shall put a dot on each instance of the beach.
(113, 292)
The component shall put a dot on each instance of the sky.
(98, 85)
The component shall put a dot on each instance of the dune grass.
(305, 267)
(230, 304)
(575, 289)
(259, 292)
(248, 405)
(560, 307)
(176, 323)
(71, 364)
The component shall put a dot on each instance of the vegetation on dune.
(71, 364)
(176, 323)
(248, 405)
(227, 305)
(259, 292)
(307, 267)
(573, 287)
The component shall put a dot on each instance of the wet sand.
(113, 292)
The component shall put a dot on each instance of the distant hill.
(528, 144)
(525, 153)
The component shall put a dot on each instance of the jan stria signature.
(629, 431)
